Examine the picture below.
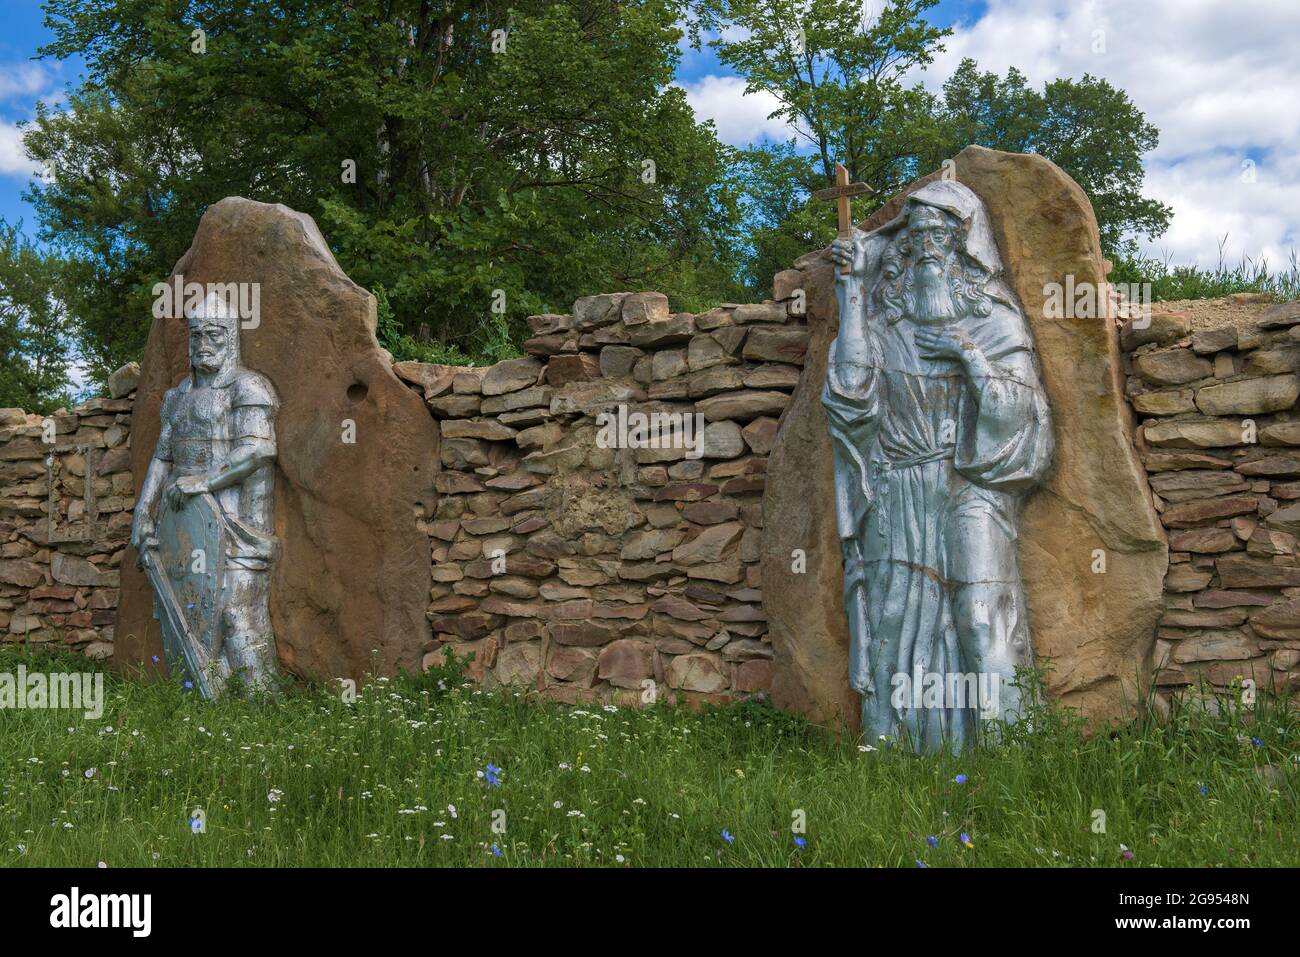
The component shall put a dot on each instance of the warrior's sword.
(174, 623)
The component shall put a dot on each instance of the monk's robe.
(930, 469)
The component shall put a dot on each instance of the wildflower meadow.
(434, 771)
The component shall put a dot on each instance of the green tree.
(1087, 127)
(536, 148)
(33, 336)
(839, 80)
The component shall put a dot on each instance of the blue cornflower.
(932, 841)
(1203, 789)
(189, 686)
(154, 659)
(196, 826)
(1258, 743)
(800, 842)
(496, 851)
(966, 841)
(492, 774)
(728, 837)
(921, 863)
(961, 779)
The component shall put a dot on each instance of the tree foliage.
(839, 80)
(536, 151)
(33, 339)
(548, 159)
(1087, 127)
(844, 82)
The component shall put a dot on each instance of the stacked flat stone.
(1220, 439)
(617, 567)
(59, 579)
(623, 566)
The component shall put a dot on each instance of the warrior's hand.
(142, 536)
(947, 343)
(183, 488)
(851, 253)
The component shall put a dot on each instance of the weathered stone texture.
(640, 564)
(65, 517)
(1223, 480)
(589, 572)
(350, 589)
(1098, 629)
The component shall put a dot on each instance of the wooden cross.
(841, 192)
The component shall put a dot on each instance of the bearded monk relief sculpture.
(940, 427)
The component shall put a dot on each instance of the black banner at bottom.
(336, 907)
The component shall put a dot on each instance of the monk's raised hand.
(943, 343)
(842, 252)
(850, 252)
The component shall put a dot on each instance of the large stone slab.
(1098, 629)
(350, 589)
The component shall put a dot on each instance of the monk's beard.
(929, 296)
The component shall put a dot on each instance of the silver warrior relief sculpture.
(940, 427)
(204, 528)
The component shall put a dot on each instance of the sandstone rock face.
(353, 578)
(1097, 629)
(624, 565)
(1249, 396)
(695, 672)
(124, 381)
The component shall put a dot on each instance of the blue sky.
(22, 82)
(1219, 80)
(946, 13)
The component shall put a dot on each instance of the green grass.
(1169, 283)
(582, 786)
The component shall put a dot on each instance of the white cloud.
(1220, 82)
(25, 79)
(741, 119)
(1253, 212)
(13, 161)
(22, 83)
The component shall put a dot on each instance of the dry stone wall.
(1215, 385)
(617, 566)
(66, 495)
(568, 560)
